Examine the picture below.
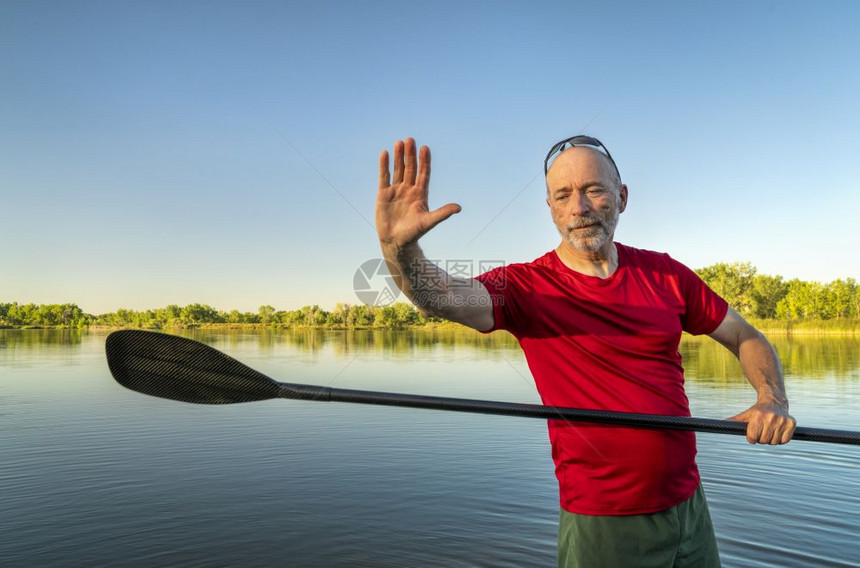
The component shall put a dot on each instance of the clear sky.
(226, 152)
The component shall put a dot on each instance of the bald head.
(580, 164)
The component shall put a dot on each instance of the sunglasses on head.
(573, 141)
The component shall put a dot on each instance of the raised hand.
(402, 212)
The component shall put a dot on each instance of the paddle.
(177, 368)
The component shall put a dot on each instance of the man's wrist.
(394, 250)
(772, 399)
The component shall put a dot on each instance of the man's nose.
(579, 204)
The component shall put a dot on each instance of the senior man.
(599, 323)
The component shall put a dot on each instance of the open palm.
(402, 212)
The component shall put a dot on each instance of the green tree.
(386, 317)
(196, 314)
(170, 315)
(767, 291)
(734, 282)
(70, 315)
(805, 300)
(266, 314)
(313, 315)
(842, 294)
(361, 315)
(405, 314)
(340, 314)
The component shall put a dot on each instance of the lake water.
(93, 474)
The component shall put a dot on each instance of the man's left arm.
(768, 420)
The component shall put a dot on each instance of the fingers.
(424, 169)
(767, 427)
(754, 430)
(779, 430)
(406, 166)
(774, 437)
(770, 429)
(384, 174)
(398, 162)
(788, 432)
(411, 162)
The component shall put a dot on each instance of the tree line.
(763, 296)
(46, 315)
(195, 315)
(753, 295)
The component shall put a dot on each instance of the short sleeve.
(705, 309)
(509, 290)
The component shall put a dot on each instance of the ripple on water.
(93, 474)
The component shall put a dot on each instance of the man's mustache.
(586, 221)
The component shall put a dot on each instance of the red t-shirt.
(612, 344)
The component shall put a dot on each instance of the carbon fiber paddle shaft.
(651, 421)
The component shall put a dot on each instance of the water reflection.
(349, 342)
(107, 476)
(34, 338)
(809, 356)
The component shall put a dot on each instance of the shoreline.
(845, 327)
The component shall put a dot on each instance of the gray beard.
(593, 238)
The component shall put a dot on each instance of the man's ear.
(622, 194)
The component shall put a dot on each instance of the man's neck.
(601, 263)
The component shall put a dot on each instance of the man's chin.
(586, 245)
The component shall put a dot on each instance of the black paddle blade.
(181, 369)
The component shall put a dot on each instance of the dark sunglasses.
(573, 141)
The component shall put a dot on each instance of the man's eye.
(562, 197)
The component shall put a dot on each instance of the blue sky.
(226, 152)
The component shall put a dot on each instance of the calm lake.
(93, 474)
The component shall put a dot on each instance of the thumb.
(442, 213)
(742, 417)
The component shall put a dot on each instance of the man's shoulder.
(647, 258)
(544, 261)
(521, 273)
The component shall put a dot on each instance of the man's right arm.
(403, 217)
(436, 293)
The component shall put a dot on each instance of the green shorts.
(679, 536)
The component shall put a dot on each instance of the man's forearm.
(768, 420)
(762, 368)
(425, 284)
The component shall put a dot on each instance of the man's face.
(585, 198)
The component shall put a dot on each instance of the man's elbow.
(749, 333)
(467, 306)
(478, 318)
